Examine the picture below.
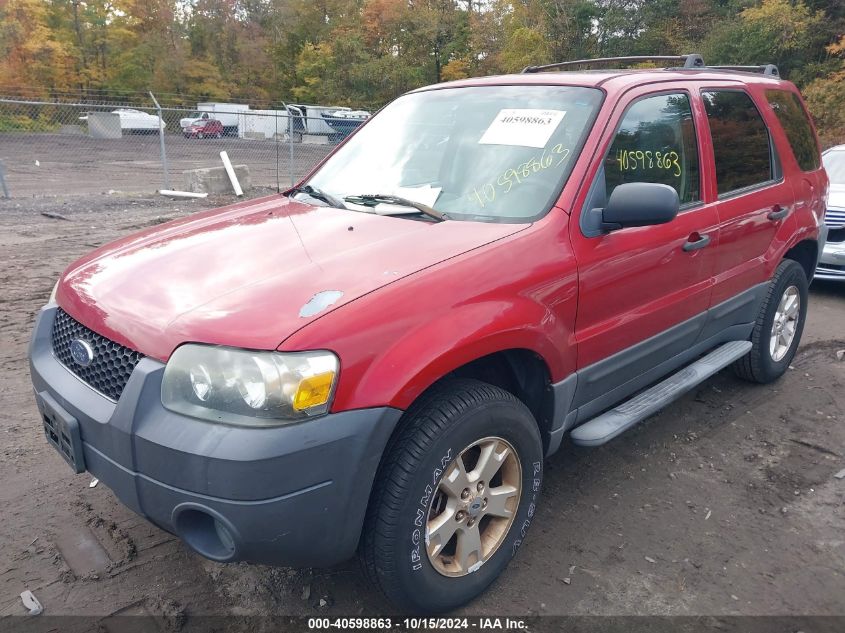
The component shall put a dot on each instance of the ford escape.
(380, 359)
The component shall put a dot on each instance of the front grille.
(111, 365)
(832, 268)
(835, 218)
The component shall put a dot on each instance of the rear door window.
(741, 144)
(795, 122)
(656, 142)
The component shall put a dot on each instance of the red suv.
(204, 128)
(381, 359)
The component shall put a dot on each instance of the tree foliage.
(365, 52)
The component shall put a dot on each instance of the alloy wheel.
(785, 323)
(473, 507)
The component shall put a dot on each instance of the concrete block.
(215, 179)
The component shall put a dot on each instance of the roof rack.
(693, 60)
(770, 70)
(687, 62)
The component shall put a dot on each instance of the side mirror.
(640, 204)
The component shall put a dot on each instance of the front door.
(644, 291)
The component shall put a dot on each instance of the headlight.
(248, 388)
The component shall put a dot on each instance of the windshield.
(834, 164)
(487, 153)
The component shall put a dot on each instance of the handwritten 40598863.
(514, 176)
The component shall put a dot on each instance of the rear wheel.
(780, 323)
(218, 135)
(200, 135)
(453, 498)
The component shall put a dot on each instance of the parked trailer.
(263, 124)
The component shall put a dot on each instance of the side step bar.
(608, 425)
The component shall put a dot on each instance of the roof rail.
(692, 60)
(770, 70)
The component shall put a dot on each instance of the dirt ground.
(60, 164)
(725, 503)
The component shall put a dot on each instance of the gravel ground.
(62, 164)
(725, 503)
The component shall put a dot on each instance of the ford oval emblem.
(81, 352)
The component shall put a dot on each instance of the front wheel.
(454, 497)
(779, 325)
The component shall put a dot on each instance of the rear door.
(810, 182)
(754, 198)
(643, 295)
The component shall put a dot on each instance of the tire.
(466, 418)
(200, 135)
(218, 135)
(767, 362)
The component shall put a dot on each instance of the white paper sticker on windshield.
(524, 127)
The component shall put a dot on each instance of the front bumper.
(290, 495)
(832, 259)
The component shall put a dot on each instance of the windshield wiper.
(372, 199)
(319, 194)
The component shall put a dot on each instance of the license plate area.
(62, 431)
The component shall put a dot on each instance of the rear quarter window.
(796, 124)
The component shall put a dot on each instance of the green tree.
(775, 31)
(826, 98)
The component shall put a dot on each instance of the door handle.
(778, 212)
(696, 241)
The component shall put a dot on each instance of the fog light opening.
(208, 535)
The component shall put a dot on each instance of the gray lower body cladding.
(606, 426)
(292, 495)
(596, 388)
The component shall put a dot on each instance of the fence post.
(3, 182)
(276, 141)
(161, 143)
(290, 142)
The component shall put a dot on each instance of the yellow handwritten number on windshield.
(554, 157)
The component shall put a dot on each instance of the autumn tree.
(363, 53)
(33, 54)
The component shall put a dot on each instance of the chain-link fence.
(52, 148)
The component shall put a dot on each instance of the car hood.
(251, 274)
